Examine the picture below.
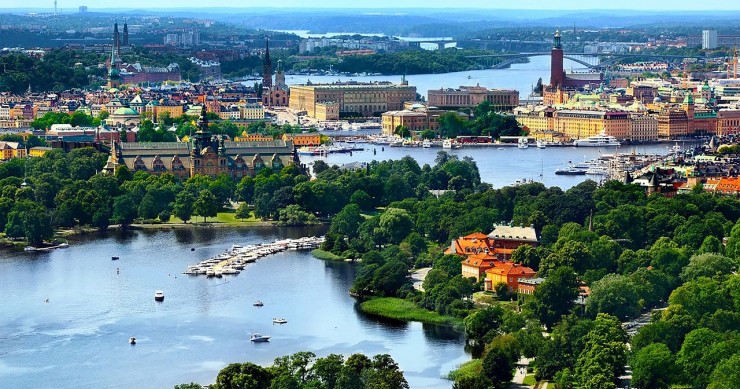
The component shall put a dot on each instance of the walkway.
(519, 374)
(418, 277)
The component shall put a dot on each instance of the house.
(508, 273)
(505, 239)
(475, 266)
(10, 150)
(527, 286)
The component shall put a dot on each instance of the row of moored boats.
(234, 260)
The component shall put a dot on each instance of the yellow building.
(536, 120)
(578, 124)
(252, 112)
(352, 98)
(38, 151)
(416, 120)
(10, 150)
(307, 139)
(471, 96)
(673, 123)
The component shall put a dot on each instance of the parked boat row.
(233, 261)
(43, 249)
(323, 149)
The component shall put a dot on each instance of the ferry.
(601, 140)
(571, 171)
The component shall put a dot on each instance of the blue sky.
(493, 4)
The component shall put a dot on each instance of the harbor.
(233, 260)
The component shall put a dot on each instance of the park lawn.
(469, 369)
(529, 380)
(221, 217)
(326, 256)
(399, 309)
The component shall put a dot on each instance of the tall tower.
(114, 75)
(55, 7)
(280, 75)
(267, 67)
(557, 74)
(125, 34)
(116, 40)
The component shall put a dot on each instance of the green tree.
(394, 225)
(293, 215)
(653, 367)
(727, 374)
(708, 265)
(500, 360)
(124, 210)
(711, 245)
(556, 296)
(29, 219)
(243, 212)
(614, 295)
(206, 205)
(183, 208)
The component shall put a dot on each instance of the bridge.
(587, 60)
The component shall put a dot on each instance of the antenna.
(55, 7)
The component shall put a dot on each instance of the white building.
(709, 39)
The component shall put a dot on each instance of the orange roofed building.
(487, 258)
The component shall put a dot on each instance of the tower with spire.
(116, 40)
(279, 75)
(114, 75)
(125, 33)
(267, 66)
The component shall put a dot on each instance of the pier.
(233, 260)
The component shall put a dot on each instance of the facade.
(672, 123)
(471, 96)
(252, 111)
(508, 273)
(579, 124)
(278, 94)
(9, 150)
(38, 151)
(416, 120)
(728, 122)
(245, 137)
(203, 154)
(709, 39)
(352, 98)
(506, 239)
(643, 128)
(308, 139)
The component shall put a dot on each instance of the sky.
(490, 4)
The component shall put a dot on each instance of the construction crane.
(732, 66)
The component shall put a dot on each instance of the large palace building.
(204, 154)
(471, 96)
(350, 99)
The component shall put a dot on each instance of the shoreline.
(402, 310)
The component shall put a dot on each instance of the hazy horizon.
(624, 5)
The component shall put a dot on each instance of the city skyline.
(659, 5)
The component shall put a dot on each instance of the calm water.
(521, 77)
(79, 338)
(500, 167)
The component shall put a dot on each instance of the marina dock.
(233, 260)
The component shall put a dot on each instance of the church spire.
(267, 66)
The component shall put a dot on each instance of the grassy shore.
(326, 256)
(469, 369)
(398, 309)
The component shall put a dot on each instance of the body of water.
(79, 338)
(520, 76)
(499, 167)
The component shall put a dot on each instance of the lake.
(79, 339)
(499, 167)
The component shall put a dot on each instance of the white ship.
(523, 143)
(601, 140)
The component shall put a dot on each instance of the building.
(38, 151)
(643, 128)
(252, 111)
(267, 67)
(352, 99)
(579, 124)
(709, 39)
(307, 139)
(417, 119)
(9, 150)
(471, 96)
(527, 286)
(203, 154)
(506, 239)
(123, 117)
(245, 137)
(508, 273)
(728, 122)
(278, 94)
(554, 93)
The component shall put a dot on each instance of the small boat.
(523, 143)
(132, 340)
(426, 144)
(258, 303)
(114, 258)
(259, 338)
(447, 144)
(192, 249)
(501, 148)
(30, 248)
(159, 296)
(278, 321)
(63, 245)
(210, 273)
(541, 144)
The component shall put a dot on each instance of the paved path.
(519, 374)
(418, 277)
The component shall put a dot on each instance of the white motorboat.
(132, 340)
(523, 143)
(259, 338)
(159, 296)
(541, 144)
(601, 140)
(598, 170)
(447, 144)
(275, 320)
(426, 143)
(258, 303)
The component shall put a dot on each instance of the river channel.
(79, 338)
